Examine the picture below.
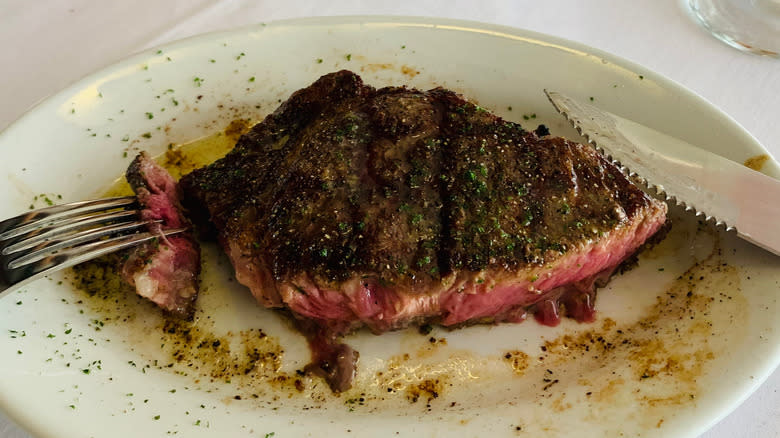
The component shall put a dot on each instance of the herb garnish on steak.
(354, 206)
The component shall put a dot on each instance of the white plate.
(671, 365)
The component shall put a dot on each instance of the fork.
(46, 240)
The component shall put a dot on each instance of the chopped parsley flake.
(149, 115)
(319, 60)
(252, 79)
(198, 81)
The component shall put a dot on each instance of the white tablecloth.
(48, 45)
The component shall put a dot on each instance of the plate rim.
(771, 168)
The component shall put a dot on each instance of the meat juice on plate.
(235, 347)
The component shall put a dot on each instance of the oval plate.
(679, 342)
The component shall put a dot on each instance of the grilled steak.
(353, 206)
(165, 270)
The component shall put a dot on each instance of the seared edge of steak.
(166, 269)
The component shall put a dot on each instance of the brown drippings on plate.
(236, 129)
(405, 70)
(428, 389)
(657, 361)
(249, 359)
(375, 67)
(518, 361)
(247, 364)
(409, 71)
(756, 163)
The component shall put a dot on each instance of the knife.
(719, 189)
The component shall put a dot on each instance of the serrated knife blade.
(715, 187)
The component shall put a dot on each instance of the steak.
(353, 206)
(164, 270)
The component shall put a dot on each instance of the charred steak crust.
(166, 269)
(382, 207)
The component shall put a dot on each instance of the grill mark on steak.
(166, 269)
(388, 207)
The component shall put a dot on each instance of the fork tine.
(34, 219)
(41, 244)
(76, 255)
(67, 225)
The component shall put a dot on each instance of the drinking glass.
(748, 25)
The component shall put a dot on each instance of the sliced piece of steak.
(353, 206)
(165, 270)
